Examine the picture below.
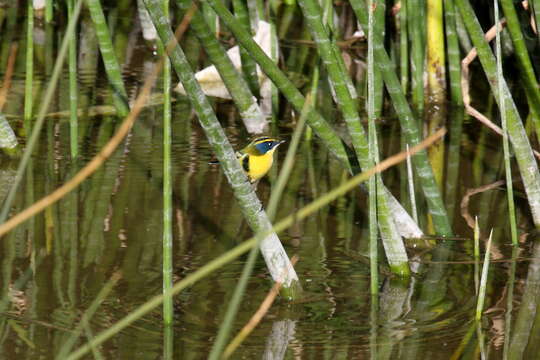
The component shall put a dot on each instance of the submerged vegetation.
(107, 185)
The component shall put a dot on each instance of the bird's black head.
(265, 144)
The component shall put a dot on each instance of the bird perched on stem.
(258, 156)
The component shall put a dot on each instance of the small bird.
(258, 156)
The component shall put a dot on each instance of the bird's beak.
(281, 142)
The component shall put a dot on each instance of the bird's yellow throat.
(257, 158)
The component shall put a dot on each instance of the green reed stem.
(345, 97)
(112, 68)
(288, 164)
(518, 137)
(506, 145)
(73, 89)
(374, 156)
(168, 311)
(249, 68)
(44, 105)
(476, 254)
(234, 304)
(415, 23)
(528, 76)
(436, 84)
(239, 90)
(379, 26)
(286, 18)
(452, 52)
(29, 76)
(48, 11)
(456, 110)
(209, 17)
(319, 125)
(227, 257)
(403, 47)
(275, 256)
(409, 127)
(483, 280)
(435, 62)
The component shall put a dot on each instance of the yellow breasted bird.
(258, 156)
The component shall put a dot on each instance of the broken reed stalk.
(483, 279)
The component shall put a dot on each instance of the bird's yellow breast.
(259, 165)
(255, 165)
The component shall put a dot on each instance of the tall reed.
(415, 24)
(506, 145)
(373, 156)
(29, 72)
(249, 68)
(73, 89)
(456, 112)
(403, 48)
(168, 311)
(112, 68)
